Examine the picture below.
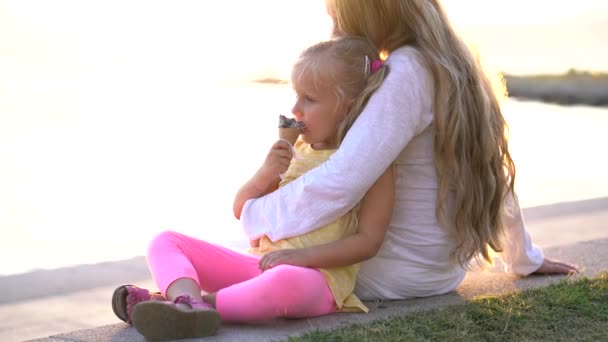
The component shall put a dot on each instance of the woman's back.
(414, 260)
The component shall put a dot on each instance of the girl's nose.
(295, 110)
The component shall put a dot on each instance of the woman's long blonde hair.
(470, 149)
(342, 64)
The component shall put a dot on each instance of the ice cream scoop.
(289, 129)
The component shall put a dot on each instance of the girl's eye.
(305, 98)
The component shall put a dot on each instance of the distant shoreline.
(571, 88)
(270, 80)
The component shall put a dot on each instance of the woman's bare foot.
(556, 267)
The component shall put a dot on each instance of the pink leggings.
(244, 292)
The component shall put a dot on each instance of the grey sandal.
(164, 320)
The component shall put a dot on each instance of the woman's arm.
(519, 255)
(396, 112)
(266, 179)
(374, 216)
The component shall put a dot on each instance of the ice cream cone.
(289, 129)
(289, 134)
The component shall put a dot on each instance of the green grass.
(573, 310)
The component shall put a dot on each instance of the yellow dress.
(341, 280)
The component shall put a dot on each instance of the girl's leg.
(183, 265)
(284, 291)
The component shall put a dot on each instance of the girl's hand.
(295, 257)
(267, 177)
(276, 162)
(555, 267)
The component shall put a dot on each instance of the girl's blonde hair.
(470, 149)
(343, 65)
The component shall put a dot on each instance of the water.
(93, 179)
(559, 151)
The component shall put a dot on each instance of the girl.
(438, 120)
(303, 276)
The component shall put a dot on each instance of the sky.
(535, 37)
(518, 12)
(242, 38)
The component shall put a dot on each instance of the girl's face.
(320, 111)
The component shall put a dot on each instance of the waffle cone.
(290, 134)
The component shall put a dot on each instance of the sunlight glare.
(516, 13)
(117, 117)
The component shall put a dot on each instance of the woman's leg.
(284, 291)
(183, 265)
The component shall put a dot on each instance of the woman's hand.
(295, 257)
(556, 267)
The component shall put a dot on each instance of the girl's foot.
(126, 296)
(182, 318)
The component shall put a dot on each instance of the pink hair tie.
(376, 64)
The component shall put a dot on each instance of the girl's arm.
(374, 217)
(396, 112)
(266, 179)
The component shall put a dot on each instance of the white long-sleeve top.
(396, 125)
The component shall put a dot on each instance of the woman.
(437, 118)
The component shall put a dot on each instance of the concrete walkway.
(73, 304)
